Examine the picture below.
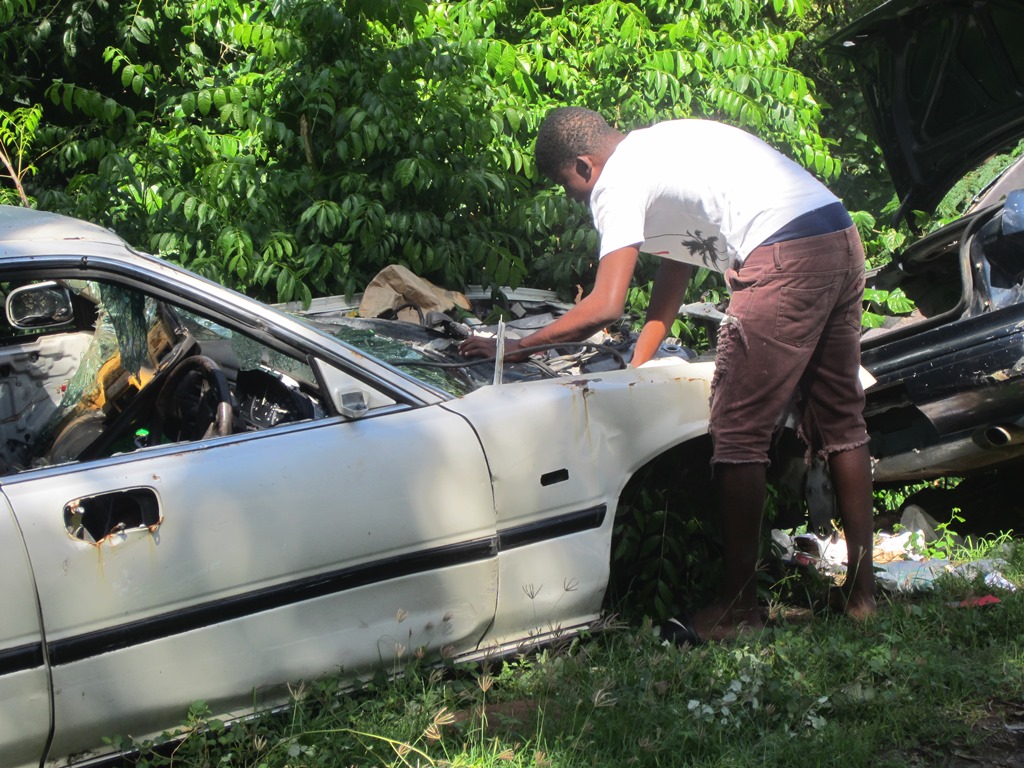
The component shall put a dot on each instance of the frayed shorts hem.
(716, 460)
(831, 450)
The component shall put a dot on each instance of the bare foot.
(861, 609)
(853, 605)
(716, 623)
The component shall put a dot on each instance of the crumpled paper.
(398, 292)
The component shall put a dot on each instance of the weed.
(924, 676)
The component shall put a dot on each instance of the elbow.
(604, 318)
(609, 314)
(612, 317)
(597, 311)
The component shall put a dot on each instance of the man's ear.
(584, 167)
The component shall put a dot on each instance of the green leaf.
(405, 171)
(899, 303)
(875, 295)
(872, 320)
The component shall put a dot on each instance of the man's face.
(578, 179)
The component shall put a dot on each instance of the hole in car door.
(93, 518)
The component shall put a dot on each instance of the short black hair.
(565, 134)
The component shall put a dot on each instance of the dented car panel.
(211, 499)
(602, 429)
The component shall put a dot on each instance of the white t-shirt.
(699, 191)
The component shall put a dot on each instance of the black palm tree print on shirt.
(705, 246)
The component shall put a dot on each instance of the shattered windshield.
(431, 354)
(405, 322)
(410, 348)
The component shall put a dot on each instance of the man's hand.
(603, 305)
(487, 346)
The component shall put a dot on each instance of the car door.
(224, 569)
(24, 685)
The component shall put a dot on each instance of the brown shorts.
(792, 336)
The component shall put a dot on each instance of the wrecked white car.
(206, 498)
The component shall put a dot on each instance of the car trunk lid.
(944, 82)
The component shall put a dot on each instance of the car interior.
(90, 369)
(968, 268)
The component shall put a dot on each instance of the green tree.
(17, 131)
(292, 149)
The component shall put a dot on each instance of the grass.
(921, 683)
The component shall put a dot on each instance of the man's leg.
(741, 494)
(783, 297)
(851, 479)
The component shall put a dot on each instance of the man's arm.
(667, 294)
(601, 307)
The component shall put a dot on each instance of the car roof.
(944, 82)
(29, 225)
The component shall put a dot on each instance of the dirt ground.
(997, 742)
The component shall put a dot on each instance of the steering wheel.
(105, 433)
(194, 401)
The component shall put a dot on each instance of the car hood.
(944, 81)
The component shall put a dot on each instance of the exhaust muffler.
(999, 435)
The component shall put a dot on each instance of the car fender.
(560, 452)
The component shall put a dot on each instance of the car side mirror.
(40, 305)
(352, 398)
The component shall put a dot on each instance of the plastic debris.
(900, 562)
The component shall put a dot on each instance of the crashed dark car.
(944, 83)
